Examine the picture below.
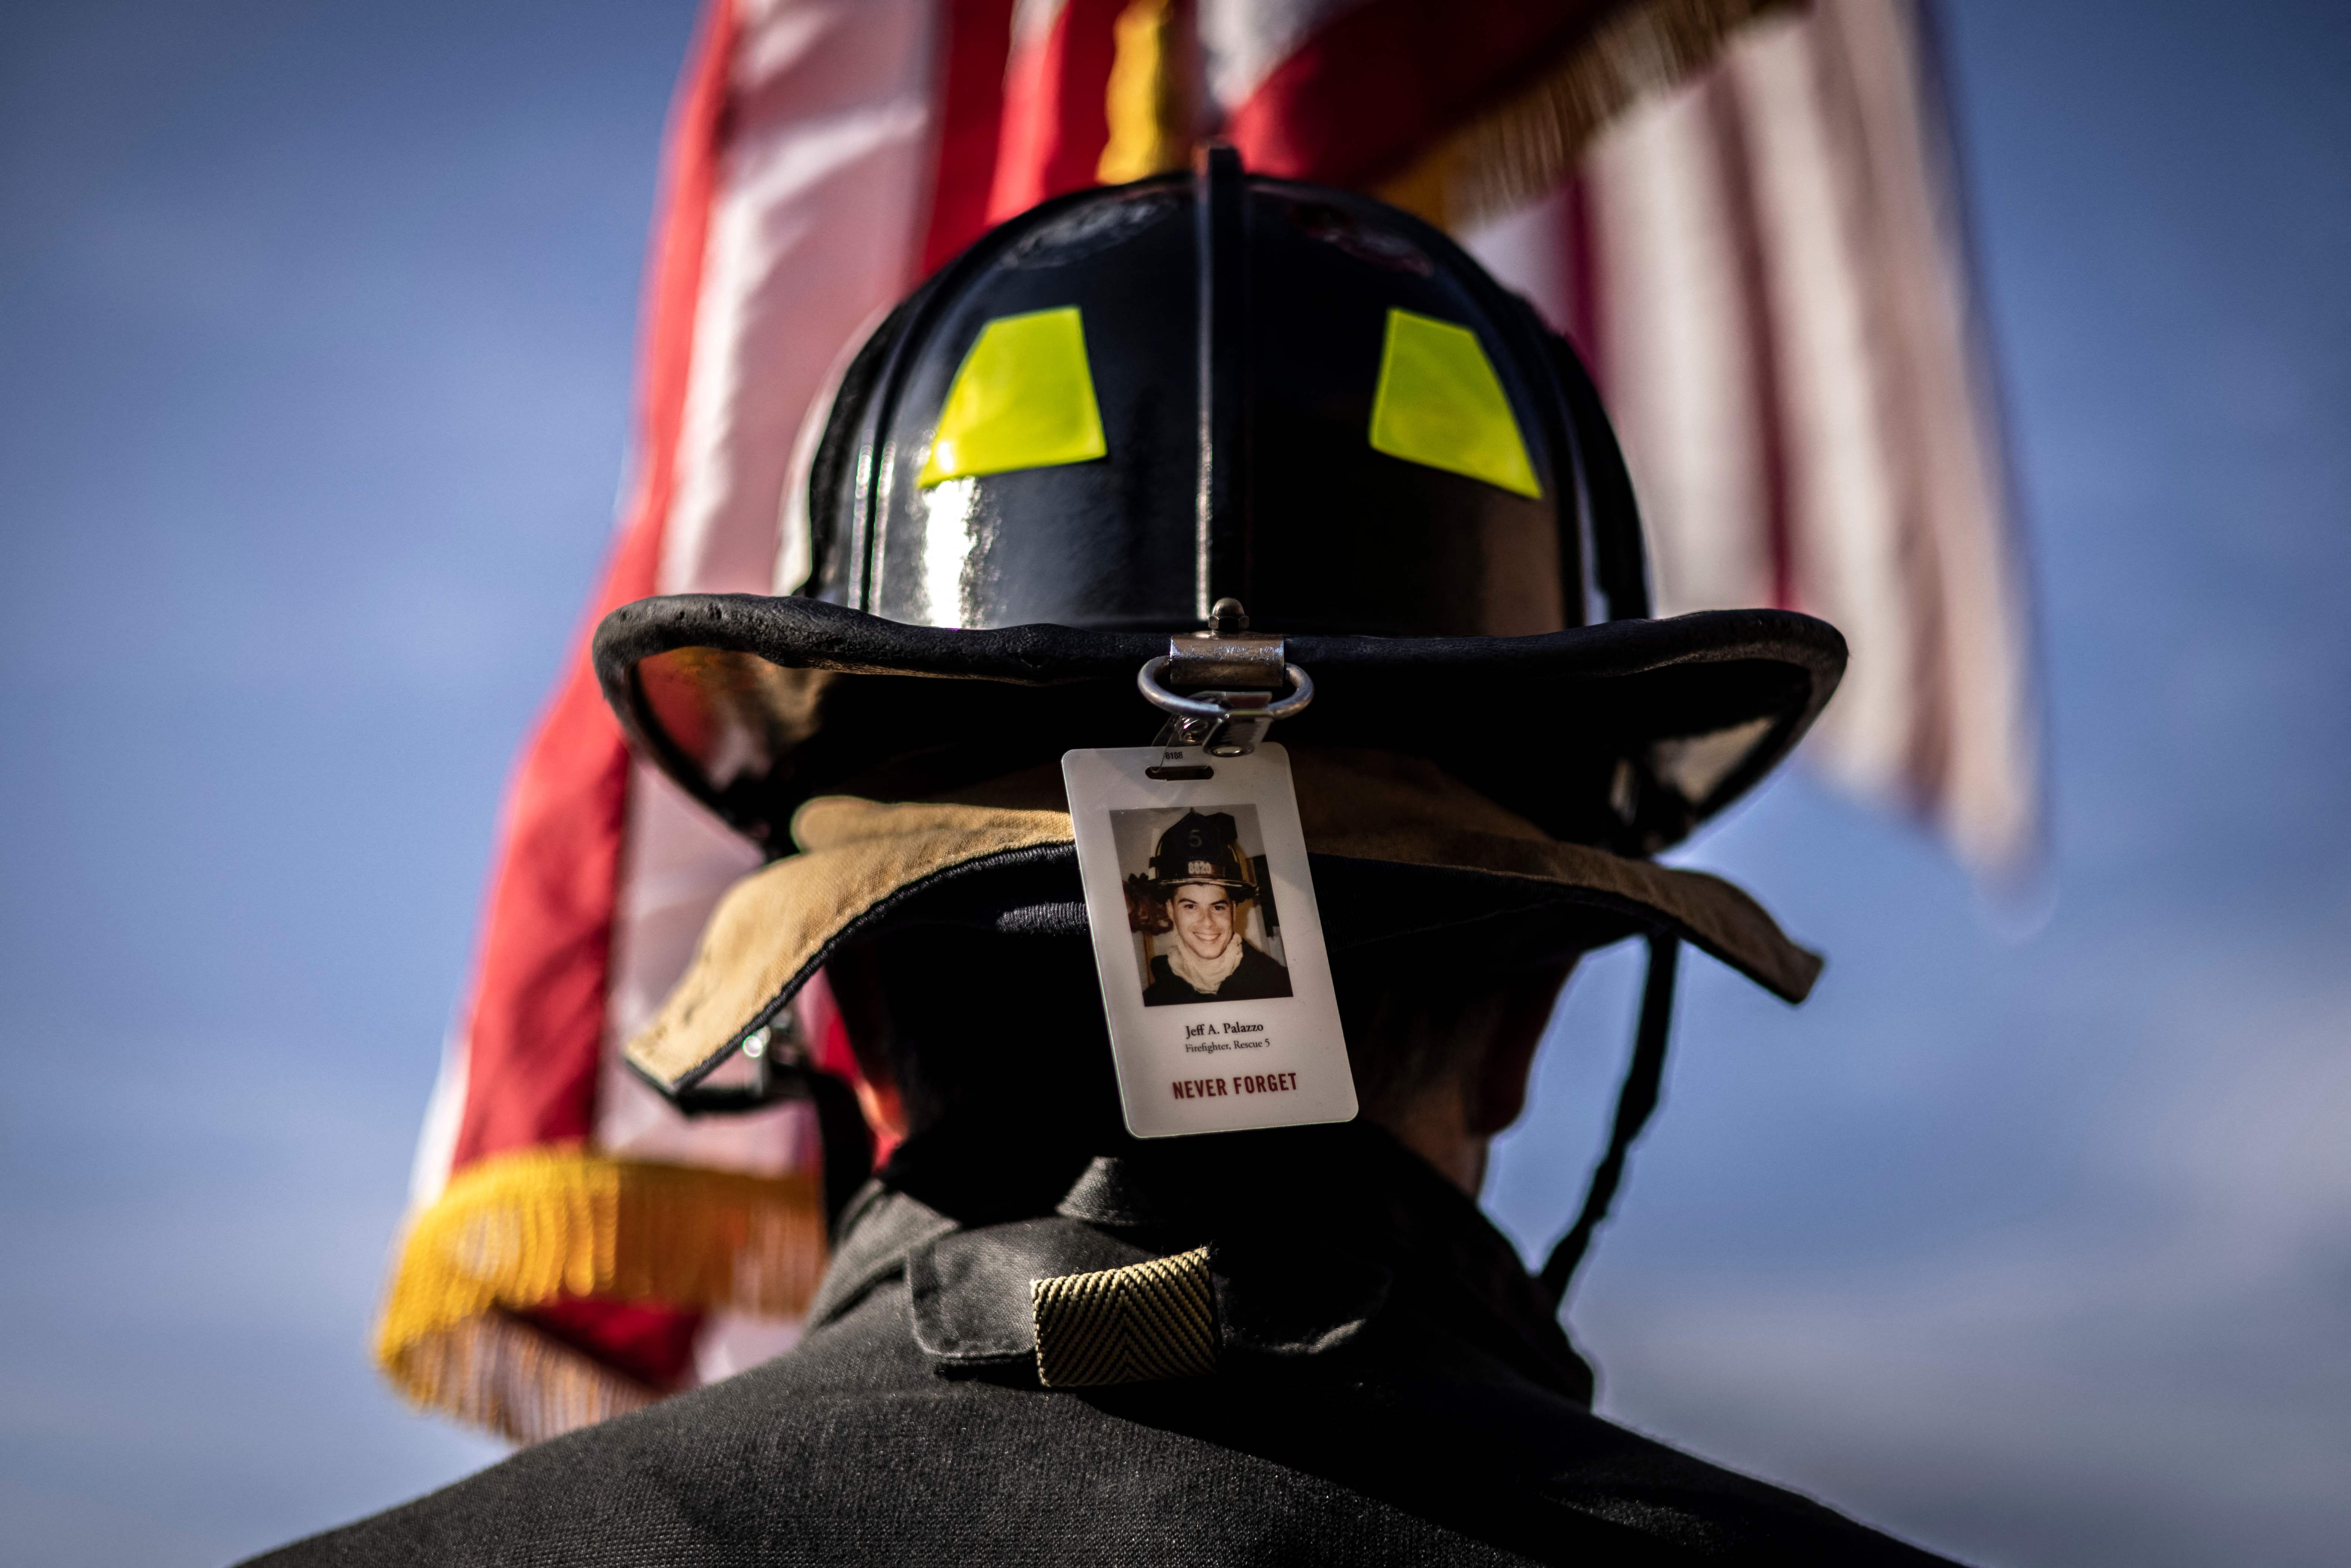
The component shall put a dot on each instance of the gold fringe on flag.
(1520, 149)
(522, 1230)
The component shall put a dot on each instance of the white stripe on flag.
(1674, 355)
(813, 233)
(1782, 302)
(1854, 546)
(1242, 41)
(1981, 782)
(814, 227)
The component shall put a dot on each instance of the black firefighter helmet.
(1052, 471)
(1202, 847)
(1049, 471)
(1131, 402)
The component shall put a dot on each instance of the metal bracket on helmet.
(1234, 684)
(778, 1071)
(782, 1068)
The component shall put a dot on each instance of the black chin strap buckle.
(1222, 688)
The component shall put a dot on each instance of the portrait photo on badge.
(1215, 979)
(1200, 904)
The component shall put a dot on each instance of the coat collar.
(1316, 1237)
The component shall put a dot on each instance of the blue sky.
(2029, 1235)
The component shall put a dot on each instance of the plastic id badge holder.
(1206, 936)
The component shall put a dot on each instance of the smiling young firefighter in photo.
(1257, 451)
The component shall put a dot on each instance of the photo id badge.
(1207, 941)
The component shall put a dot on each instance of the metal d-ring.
(1222, 723)
(1182, 707)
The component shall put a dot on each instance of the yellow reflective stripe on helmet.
(1023, 398)
(1440, 404)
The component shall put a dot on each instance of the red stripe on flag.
(1056, 113)
(652, 1343)
(971, 105)
(1376, 88)
(538, 1025)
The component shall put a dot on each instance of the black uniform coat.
(1390, 1386)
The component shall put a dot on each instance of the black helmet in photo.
(1203, 848)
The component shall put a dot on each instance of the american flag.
(1744, 213)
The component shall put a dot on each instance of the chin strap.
(1635, 1100)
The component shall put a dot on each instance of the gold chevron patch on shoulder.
(1137, 1324)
